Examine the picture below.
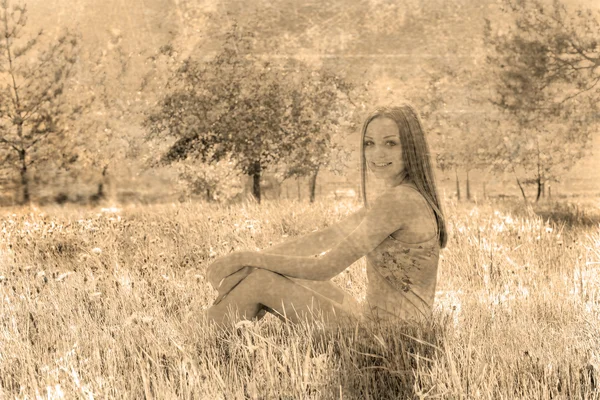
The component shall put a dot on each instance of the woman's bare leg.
(266, 289)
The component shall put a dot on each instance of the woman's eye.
(368, 143)
(391, 143)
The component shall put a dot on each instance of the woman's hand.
(232, 281)
(220, 268)
(227, 265)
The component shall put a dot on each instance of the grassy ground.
(106, 303)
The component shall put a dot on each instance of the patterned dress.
(402, 275)
(402, 279)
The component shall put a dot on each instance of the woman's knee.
(264, 284)
(260, 275)
(257, 281)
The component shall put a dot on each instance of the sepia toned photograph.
(278, 199)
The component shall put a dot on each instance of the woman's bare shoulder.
(421, 222)
(405, 208)
(402, 195)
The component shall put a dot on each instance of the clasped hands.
(227, 265)
(227, 271)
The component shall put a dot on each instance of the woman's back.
(402, 270)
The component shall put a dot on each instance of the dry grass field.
(106, 303)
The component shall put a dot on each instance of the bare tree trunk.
(100, 191)
(539, 189)
(521, 187)
(24, 178)
(544, 189)
(256, 172)
(457, 184)
(100, 194)
(313, 184)
(484, 193)
(539, 175)
(298, 186)
(468, 187)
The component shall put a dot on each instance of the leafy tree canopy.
(261, 114)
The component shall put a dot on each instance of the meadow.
(107, 303)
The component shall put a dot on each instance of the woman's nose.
(378, 151)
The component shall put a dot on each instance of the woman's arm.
(303, 247)
(390, 212)
(317, 242)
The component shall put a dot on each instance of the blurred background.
(150, 101)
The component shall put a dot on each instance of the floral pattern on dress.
(402, 265)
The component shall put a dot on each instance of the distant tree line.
(534, 95)
(519, 97)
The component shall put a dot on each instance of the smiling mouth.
(381, 165)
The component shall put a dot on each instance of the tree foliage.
(33, 113)
(458, 114)
(550, 55)
(108, 138)
(261, 114)
(546, 69)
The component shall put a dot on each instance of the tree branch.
(41, 136)
(595, 61)
(11, 144)
(580, 92)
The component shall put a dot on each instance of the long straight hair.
(415, 156)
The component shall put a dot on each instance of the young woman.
(400, 233)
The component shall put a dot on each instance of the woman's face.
(383, 151)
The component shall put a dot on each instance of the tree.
(327, 110)
(464, 145)
(215, 182)
(454, 108)
(32, 107)
(557, 47)
(543, 152)
(259, 113)
(110, 136)
(546, 68)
